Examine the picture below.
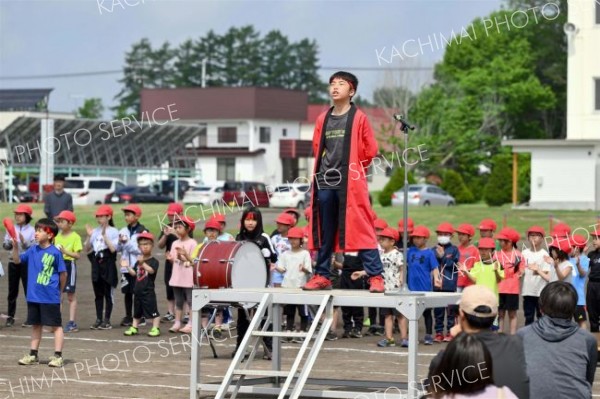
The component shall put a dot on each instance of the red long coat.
(356, 228)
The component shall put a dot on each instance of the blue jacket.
(448, 267)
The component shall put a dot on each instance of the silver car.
(423, 194)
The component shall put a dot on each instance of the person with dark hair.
(47, 277)
(561, 357)
(57, 200)
(101, 246)
(465, 370)
(477, 310)
(25, 239)
(560, 249)
(251, 229)
(342, 219)
(593, 286)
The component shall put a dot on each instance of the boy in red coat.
(341, 221)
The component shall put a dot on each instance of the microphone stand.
(404, 291)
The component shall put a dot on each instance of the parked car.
(167, 187)
(136, 194)
(423, 194)
(205, 195)
(289, 196)
(91, 190)
(19, 196)
(240, 192)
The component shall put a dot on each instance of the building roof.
(526, 144)
(23, 99)
(223, 151)
(193, 103)
(98, 143)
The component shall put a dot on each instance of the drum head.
(249, 270)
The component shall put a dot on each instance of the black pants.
(242, 327)
(593, 305)
(374, 316)
(290, 314)
(103, 293)
(353, 316)
(16, 273)
(531, 309)
(428, 321)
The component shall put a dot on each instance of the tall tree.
(92, 108)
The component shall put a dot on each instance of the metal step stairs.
(303, 362)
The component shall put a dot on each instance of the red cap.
(504, 234)
(390, 233)
(514, 235)
(67, 215)
(285, 218)
(578, 241)
(445, 227)
(486, 242)
(175, 208)
(212, 223)
(563, 243)
(147, 235)
(22, 208)
(380, 224)
(420, 231)
(296, 232)
(560, 230)
(189, 222)
(411, 225)
(295, 211)
(595, 233)
(133, 208)
(104, 210)
(307, 211)
(466, 228)
(219, 217)
(536, 230)
(488, 224)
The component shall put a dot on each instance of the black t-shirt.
(594, 273)
(171, 238)
(329, 176)
(144, 282)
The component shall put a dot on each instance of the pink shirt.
(182, 276)
(468, 255)
(510, 284)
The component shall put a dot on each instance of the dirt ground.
(106, 364)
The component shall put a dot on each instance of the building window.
(597, 91)
(597, 13)
(265, 134)
(284, 132)
(227, 134)
(225, 168)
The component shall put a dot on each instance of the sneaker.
(96, 325)
(56, 361)
(71, 327)
(186, 319)
(25, 324)
(217, 333)
(105, 325)
(370, 331)
(404, 343)
(142, 322)
(331, 336)
(10, 322)
(379, 331)
(376, 284)
(29, 360)
(448, 338)
(187, 329)
(131, 331)
(384, 343)
(355, 334)
(428, 340)
(317, 283)
(154, 332)
(176, 327)
(124, 282)
(346, 334)
(168, 318)
(439, 337)
(367, 322)
(126, 322)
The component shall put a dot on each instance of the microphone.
(400, 118)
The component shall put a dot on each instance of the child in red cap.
(512, 262)
(165, 241)
(280, 242)
(537, 274)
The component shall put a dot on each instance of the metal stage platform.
(275, 382)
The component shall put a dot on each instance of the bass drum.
(230, 264)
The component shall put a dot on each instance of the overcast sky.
(47, 37)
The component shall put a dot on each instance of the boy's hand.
(168, 230)
(356, 275)
(437, 282)
(169, 257)
(439, 250)
(140, 259)
(462, 268)
(89, 229)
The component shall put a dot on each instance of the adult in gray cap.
(477, 310)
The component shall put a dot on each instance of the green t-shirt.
(484, 275)
(71, 243)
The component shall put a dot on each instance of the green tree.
(454, 184)
(498, 189)
(395, 183)
(92, 108)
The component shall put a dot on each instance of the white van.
(91, 190)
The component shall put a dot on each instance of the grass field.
(431, 216)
